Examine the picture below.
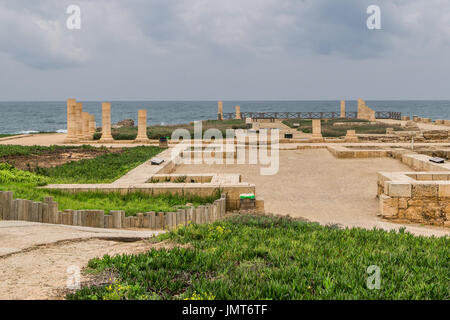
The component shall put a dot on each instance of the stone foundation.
(420, 197)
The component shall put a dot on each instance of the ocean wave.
(61, 131)
(27, 132)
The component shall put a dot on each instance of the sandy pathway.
(34, 257)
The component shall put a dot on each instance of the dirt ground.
(314, 185)
(52, 158)
(34, 258)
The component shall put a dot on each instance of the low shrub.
(255, 258)
(9, 174)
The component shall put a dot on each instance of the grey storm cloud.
(235, 47)
(35, 33)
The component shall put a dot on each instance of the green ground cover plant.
(256, 257)
(5, 135)
(17, 150)
(156, 132)
(328, 130)
(102, 169)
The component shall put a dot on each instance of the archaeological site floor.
(319, 187)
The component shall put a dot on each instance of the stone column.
(220, 110)
(142, 127)
(71, 121)
(106, 123)
(91, 125)
(238, 112)
(351, 136)
(79, 120)
(342, 108)
(316, 130)
(85, 118)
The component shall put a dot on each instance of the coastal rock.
(128, 123)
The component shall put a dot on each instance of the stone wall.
(420, 201)
(47, 212)
(364, 112)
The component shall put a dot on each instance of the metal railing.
(310, 115)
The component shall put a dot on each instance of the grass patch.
(251, 257)
(329, 130)
(156, 132)
(102, 169)
(17, 150)
(5, 135)
(131, 203)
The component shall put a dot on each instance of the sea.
(32, 117)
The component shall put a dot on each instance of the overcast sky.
(228, 49)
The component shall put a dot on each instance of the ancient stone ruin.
(81, 125)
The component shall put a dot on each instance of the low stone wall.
(420, 197)
(47, 212)
(422, 162)
(347, 152)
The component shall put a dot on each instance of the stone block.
(247, 204)
(425, 191)
(402, 203)
(259, 205)
(444, 190)
(388, 207)
(440, 177)
(399, 190)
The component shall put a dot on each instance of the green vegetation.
(102, 169)
(254, 257)
(331, 130)
(17, 150)
(131, 203)
(155, 132)
(5, 135)
(11, 175)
